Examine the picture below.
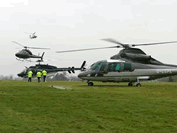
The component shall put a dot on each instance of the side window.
(103, 66)
(113, 67)
(117, 67)
(126, 66)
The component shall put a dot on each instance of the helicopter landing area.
(76, 107)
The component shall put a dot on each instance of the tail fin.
(42, 56)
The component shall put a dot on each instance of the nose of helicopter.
(20, 75)
(82, 75)
(17, 55)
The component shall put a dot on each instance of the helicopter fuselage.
(25, 54)
(51, 70)
(32, 36)
(121, 71)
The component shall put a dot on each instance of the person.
(44, 74)
(38, 75)
(30, 73)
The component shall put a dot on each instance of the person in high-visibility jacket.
(44, 74)
(30, 73)
(38, 75)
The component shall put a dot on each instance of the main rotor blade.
(114, 41)
(145, 44)
(18, 43)
(38, 48)
(86, 49)
(28, 33)
(29, 47)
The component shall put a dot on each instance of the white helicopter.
(32, 36)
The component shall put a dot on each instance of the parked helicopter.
(51, 70)
(32, 36)
(26, 54)
(129, 65)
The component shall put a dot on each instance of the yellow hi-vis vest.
(38, 74)
(30, 74)
(44, 72)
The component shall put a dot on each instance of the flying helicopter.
(25, 53)
(129, 65)
(32, 36)
(51, 70)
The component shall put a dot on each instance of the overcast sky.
(75, 24)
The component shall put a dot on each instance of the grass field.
(105, 107)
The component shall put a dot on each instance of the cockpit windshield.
(97, 65)
(24, 71)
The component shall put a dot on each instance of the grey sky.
(73, 24)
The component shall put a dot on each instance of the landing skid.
(23, 60)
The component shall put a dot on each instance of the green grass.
(105, 107)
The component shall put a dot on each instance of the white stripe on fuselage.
(132, 76)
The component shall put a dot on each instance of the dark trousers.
(44, 78)
(39, 79)
(29, 79)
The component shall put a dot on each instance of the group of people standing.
(39, 74)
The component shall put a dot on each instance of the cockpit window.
(92, 64)
(24, 71)
(96, 66)
(126, 66)
(103, 66)
(114, 66)
(28, 51)
(117, 67)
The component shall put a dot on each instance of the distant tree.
(61, 76)
(74, 78)
(10, 77)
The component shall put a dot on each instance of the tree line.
(59, 76)
(67, 77)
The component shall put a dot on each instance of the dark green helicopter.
(129, 65)
(25, 53)
(51, 70)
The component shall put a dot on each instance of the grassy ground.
(105, 107)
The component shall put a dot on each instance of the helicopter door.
(126, 68)
(113, 72)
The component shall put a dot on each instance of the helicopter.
(25, 53)
(129, 65)
(32, 36)
(51, 70)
